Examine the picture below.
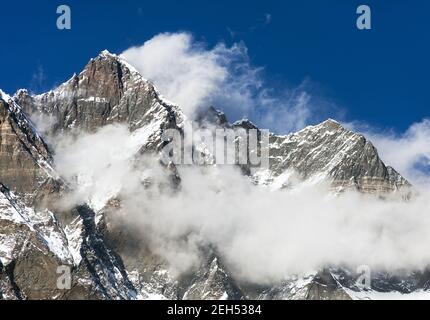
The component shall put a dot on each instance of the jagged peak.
(212, 109)
(21, 92)
(4, 96)
(211, 115)
(245, 123)
(106, 55)
(106, 52)
(330, 123)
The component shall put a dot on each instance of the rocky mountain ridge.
(36, 237)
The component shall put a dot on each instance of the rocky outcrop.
(324, 153)
(212, 282)
(108, 90)
(34, 240)
(329, 152)
(319, 286)
(34, 245)
(24, 157)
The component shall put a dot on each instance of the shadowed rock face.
(22, 152)
(34, 244)
(330, 152)
(108, 90)
(327, 152)
(213, 282)
(107, 259)
(320, 286)
(35, 241)
(28, 266)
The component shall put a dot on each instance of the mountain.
(329, 151)
(25, 159)
(105, 257)
(35, 240)
(107, 91)
(326, 152)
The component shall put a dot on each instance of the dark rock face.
(107, 260)
(106, 91)
(330, 152)
(34, 245)
(325, 152)
(212, 282)
(34, 241)
(29, 266)
(99, 266)
(212, 116)
(320, 286)
(24, 157)
(342, 284)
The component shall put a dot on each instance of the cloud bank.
(262, 235)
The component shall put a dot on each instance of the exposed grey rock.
(33, 241)
(330, 152)
(324, 153)
(24, 157)
(212, 282)
(320, 286)
(107, 91)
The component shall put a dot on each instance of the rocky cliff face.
(108, 90)
(35, 241)
(330, 152)
(24, 157)
(324, 153)
(36, 237)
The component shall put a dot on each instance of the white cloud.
(193, 76)
(183, 70)
(99, 165)
(38, 79)
(262, 235)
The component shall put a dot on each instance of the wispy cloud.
(268, 17)
(194, 76)
(38, 79)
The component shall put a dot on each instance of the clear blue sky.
(380, 76)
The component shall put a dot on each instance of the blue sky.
(380, 76)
